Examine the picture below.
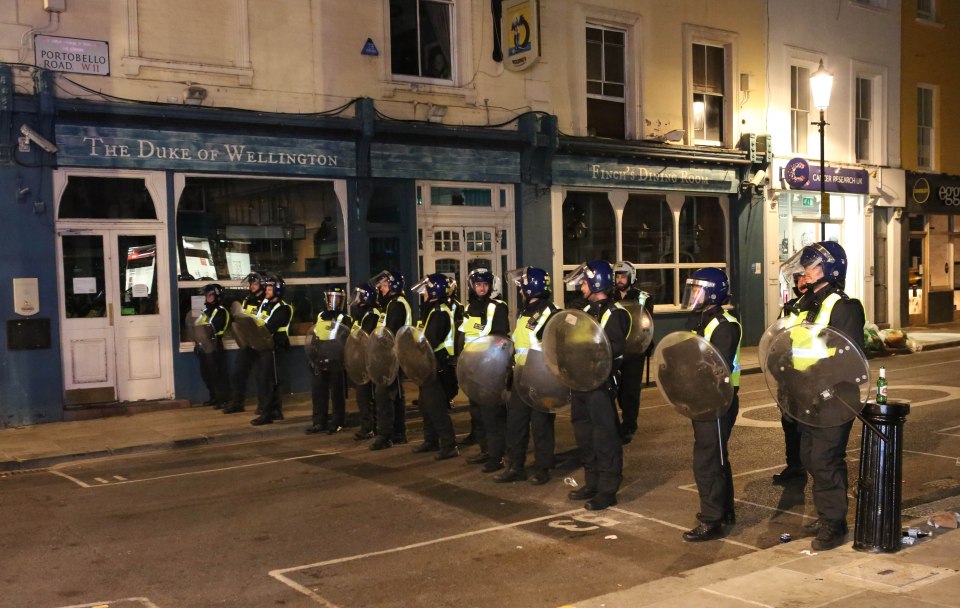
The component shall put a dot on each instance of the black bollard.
(877, 528)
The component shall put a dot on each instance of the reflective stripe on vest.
(473, 328)
(708, 332)
(408, 319)
(524, 339)
(203, 320)
(606, 317)
(327, 330)
(286, 328)
(448, 340)
(807, 349)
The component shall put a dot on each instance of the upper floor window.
(864, 118)
(421, 35)
(925, 127)
(606, 82)
(927, 9)
(872, 3)
(799, 108)
(708, 93)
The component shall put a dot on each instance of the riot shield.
(251, 335)
(484, 367)
(764, 346)
(577, 350)
(416, 355)
(536, 385)
(381, 357)
(817, 375)
(355, 356)
(693, 376)
(328, 354)
(205, 338)
(641, 329)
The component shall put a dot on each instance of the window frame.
(618, 199)
(340, 191)
(795, 79)
(728, 41)
(927, 15)
(932, 127)
(603, 81)
(877, 146)
(456, 26)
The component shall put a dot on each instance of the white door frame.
(139, 378)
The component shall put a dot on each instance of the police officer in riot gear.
(706, 291)
(594, 414)
(450, 383)
(213, 365)
(327, 383)
(275, 315)
(791, 432)
(391, 414)
(439, 330)
(631, 370)
(366, 316)
(246, 357)
(486, 316)
(823, 450)
(535, 288)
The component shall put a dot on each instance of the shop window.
(442, 196)
(606, 82)
(700, 240)
(227, 228)
(864, 113)
(799, 221)
(925, 127)
(648, 238)
(421, 35)
(708, 93)
(588, 228)
(799, 108)
(114, 198)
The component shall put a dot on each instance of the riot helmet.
(335, 299)
(364, 295)
(276, 282)
(598, 275)
(392, 278)
(830, 257)
(627, 270)
(432, 286)
(533, 282)
(215, 290)
(705, 287)
(257, 277)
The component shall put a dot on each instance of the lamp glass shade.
(821, 83)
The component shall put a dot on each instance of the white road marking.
(679, 527)
(100, 479)
(120, 478)
(929, 454)
(734, 597)
(144, 601)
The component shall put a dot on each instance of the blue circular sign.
(797, 172)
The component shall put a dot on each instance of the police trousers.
(594, 418)
(491, 433)
(823, 452)
(521, 420)
(326, 387)
(271, 382)
(366, 407)
(631, 378)
(711, 464)
(242, 367)
(213, 370)
(435, 408)
(391, 412)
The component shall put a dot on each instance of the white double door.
(457, 250)
(114, 314)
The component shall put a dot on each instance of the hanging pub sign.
(520, 32)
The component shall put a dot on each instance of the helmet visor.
(380, 277)
(695, 294)
(573, 279)
(421, 286)
(360, 296)
(516, 275)
(335, 299)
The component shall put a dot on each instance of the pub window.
(606, 82)
(227, 228)
(115, 198)
(925, 127)
(421, 38)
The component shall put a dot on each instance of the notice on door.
(84, 285)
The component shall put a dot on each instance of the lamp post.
(821, 83)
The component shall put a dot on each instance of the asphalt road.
(309, 521)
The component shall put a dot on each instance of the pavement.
(786, 575)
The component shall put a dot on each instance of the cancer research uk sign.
(76, 55)
(801, 175)
(83, 146)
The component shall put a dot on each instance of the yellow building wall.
(925, 47)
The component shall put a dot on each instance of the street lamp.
(821, 83)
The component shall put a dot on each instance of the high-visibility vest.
(708, 331)
(606, 317)
(327, 330)
(358, 323)
(808, 348)
(252, 305)
(473, 327)
(408, 320)
(204, 320)
(524, 338)
(447, 343)
(265, 314)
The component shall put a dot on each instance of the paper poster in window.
(520, 31)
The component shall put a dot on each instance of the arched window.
(101, 198)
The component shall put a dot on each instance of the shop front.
(931, 278)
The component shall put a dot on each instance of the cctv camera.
(38, 139)
(757, 180)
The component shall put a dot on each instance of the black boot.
(583, 493)
(601, 502)
(831, 535)
(788, 474)
(705, 531)
(480, 458)
(540, 477)
(261, 420)
(426, 447)
(491, 465)
(511, 474)
(447, 452)
(381, 443)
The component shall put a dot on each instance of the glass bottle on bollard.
(882, 387)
